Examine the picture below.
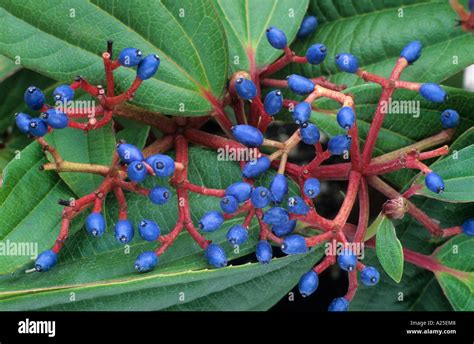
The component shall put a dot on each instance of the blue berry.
(159, 195)
(46, 260)
(63, 93)
(95, 224)
(240, 190)
(130, 57)
(471, 5)
(146, 261)
(124, 231)
(229, 204)
(247, 135)
(215, 256)
(276, 38)
(308, 283)
(294, 244)
(307, 27)
(347, 260)
(23, 122)
(257, 167)
(284, 229)
(211, 221)
(433, 92)
(276, 216)
(347, 62)
(316, 53)
(34, 98)
(301, 113)
(278, 187)
(300, 85)
(237, 235)
(245, 88)
(311, 187)
(273, 102)
(296, 205)
(412, 51)
(264, 252)
(55, 119)
(148, 67)
(162, 165)
(339, 304)
(129, 153)
(136, 171)
(449, 119)
(369, 276)
(149, 230)
(260, 197)
(434, 182)
(38, 127)
(309, 133)
(346, 117)
(339, 144)
(468, 227)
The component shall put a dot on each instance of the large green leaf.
(457, 170)
(375, 32)
(245, 23)
(29, 211)
(230, 288)
(458, 254)
(399, 129)
(68, 38)
(389, 249)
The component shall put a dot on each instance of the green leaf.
(399, 129)
(458, 285)
(230, 288)
(389, 249)
(376, 33)
(245, 23)
(457, 171)
(29, 211)
(186, 35)
(93, 147)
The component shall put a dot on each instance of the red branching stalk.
(362, 171)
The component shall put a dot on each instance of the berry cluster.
(276, 210)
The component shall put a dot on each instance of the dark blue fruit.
(433, 93)
(294, 244)
(284, 229)
(308, 283)
(316, 53)
(129, 153)
(95, 224)
(309, 133)
(63, 93)
(46, 260)
(307, 27)
(215, 256)
(264, 252)
(136, 171)
(146, 261)
(239, 190)
(311, 187)
(278, 187)
(276, 38)
(347, 62)
(130, 57)
(300, 85)
(22, 121)
(148, 67)
(34, 98)
(339, 304)
(449, 119)
(339, 144)
(124, 231)
(245, 88)
(149, 230)
(276, 216)
(237, 235)
(211, 221)
(412, 51)
(247, 135)
(257, 167)
(159, 195)
(302, 113)
(229, 204)
(260, 197)
(297, 205)
(55, 119)
(273, 102)
(162, 165)
(434, 182)
(38, 127)
(346, 117)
